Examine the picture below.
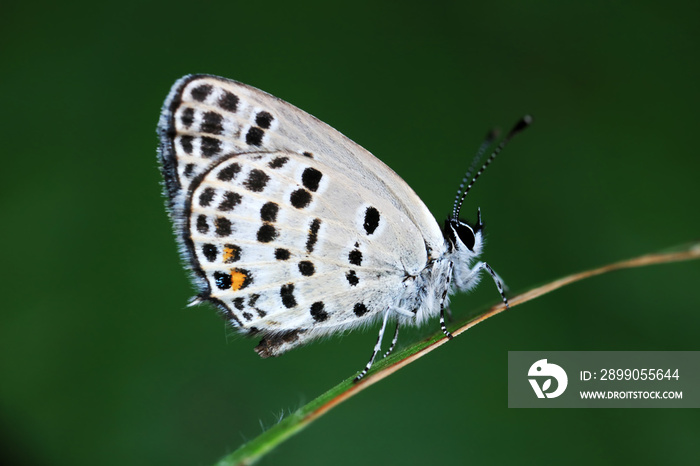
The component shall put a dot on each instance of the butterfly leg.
(443, 326)
(376, 350)
(442, 304)
(393, 342)
(496, 279)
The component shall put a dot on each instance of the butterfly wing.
(288, 226)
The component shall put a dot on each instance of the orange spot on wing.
(238, 278)
(228, 254)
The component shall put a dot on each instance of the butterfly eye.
(466, 235)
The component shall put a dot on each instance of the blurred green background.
(100, 360)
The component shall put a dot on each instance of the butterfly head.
(463, 237)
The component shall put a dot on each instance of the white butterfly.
(293, 230)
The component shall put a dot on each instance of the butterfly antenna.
(523, 123)
(488, 140)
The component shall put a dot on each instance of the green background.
(100, 360)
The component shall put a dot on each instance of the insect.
(296, 232)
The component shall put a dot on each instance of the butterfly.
(296, 232)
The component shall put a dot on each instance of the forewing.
(207, 117)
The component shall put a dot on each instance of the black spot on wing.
(277, 162)
(355, 257)
(210, 252)
(263, 120)
(268, 212)
(186, 143)
(352, 278)
(223, 226)
(201, 92)
(222, 280)
(206, 197)
(229, 201)
(267, 233)
(282, 254)
(311, 178)
(202, 224)
(313, 234)
(360, 309)
(300, 198)
(187, 117)
(257, 180)
(254, 136)
(212, 123)
(306, 268)
(371, 220)
(317, 312)
(229, 173)
(229, 102)
(210, 146)
(287, 294)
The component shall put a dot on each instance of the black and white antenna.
(488, 140)
(523, 123)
